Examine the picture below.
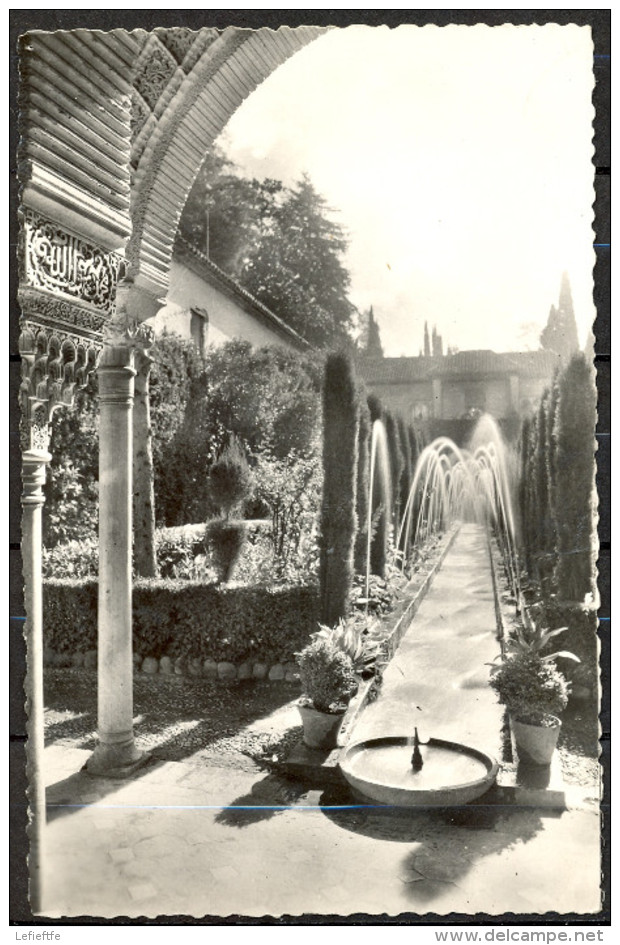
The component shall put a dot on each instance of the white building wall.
(226, 317)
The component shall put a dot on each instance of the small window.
(199, 328)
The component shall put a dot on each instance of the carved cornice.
(52, 312)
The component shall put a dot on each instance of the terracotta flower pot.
(320, 728)
(536, 743)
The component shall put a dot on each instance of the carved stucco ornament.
(60, 263)
(125, 328)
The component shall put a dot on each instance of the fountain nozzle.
(416, 758)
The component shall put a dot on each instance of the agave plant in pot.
(328, 682)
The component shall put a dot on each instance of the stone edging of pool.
(516, 785)
(318, 767)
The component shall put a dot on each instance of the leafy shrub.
(225, 540)
(181, 554)
(176, 552)
(176, 556)
(289, 490)
(71, 509)
(327, 675)
(74, 559)
(71, 489)
(530, 687)
(183, 618)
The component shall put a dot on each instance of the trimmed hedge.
(183, 618)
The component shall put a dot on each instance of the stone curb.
(220, 671)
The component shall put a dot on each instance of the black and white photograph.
(310, 527)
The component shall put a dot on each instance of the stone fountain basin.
(379, 770)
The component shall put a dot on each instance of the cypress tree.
(363, 463)
(340, 458)
(524, 492)
(552, 458)
(560, 332)
(541, 461)
(373, 347)
(575, 428)
(535, 530)
(427, 342)
(397, 462)
(437, 343)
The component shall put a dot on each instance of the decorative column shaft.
(34, 462)
(116, 754)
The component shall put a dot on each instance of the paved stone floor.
(197, 840)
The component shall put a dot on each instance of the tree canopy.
(280, 243)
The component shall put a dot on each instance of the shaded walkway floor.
(203, 840)
(161, 845)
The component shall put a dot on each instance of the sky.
(459, 160)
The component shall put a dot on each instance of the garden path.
(198, 840)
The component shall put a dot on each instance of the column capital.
(133, 307)
(116, 373)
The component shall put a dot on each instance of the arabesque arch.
(178, 125)
(114, 127)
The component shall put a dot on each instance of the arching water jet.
(380, 474)
(468, 485)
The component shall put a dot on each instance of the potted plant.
(328, 682)
(534, 692)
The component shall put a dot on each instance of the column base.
(116, 761)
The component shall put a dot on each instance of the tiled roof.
(395, 370)
(480, 362)
(534, 363)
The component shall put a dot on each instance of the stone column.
(34, 462)
(116, 754)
